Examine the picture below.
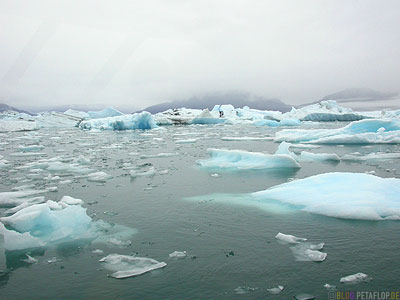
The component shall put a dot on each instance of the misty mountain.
(4, 107)
(237, 99)
(359, 94)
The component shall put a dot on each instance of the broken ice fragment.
(127, 266)
(289, 238)
(275, 290)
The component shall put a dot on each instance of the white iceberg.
(369, 131)
(242, 160)
(143, 120)
(127, 266)
(105, 113)
(324, 111)
(275, 290)
(341, 195)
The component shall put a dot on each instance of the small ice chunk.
(215, 175)
(355, 278)
(150, 172)
(29, 259)
(244, 289)
(329, 286)
(304, 296)
(99, 177)
(98, 251)
(53, 260)
(317, 247)
(275, 290)
(71, 201)
(289, 238)
(315, 255)
(127, 266)
(178, 254)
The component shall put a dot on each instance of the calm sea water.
(228, 245)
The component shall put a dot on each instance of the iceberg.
(38, 225)
(275, 290)
(341, 195)
(207, 118)
(324, 111)
(369, 131)
(127, 266)
(105, 113)
(143, 120)
(244, 160)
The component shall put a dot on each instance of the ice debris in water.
(244, 289)
(150, 172)
(342, 195)
(143, 120)
(329, 286)
(284, 148)
(308, 252)
(275, 290)
(97, 251)
(289, 238)
(355, 278)
(127, 266)
(369, 131)
(99, 177)
(304, 296)
(29, 259)
(242, 160)
(52, 222)
(177, 254)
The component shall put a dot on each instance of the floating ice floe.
(371, 157)
(246, 138)
(369, 131)
(99, 177)
(355, 278)
(304, 296)
(291, 239)
(284, 148)
(177, 254)
(50, 223)
(29, 259)
(308, 252)
(275, 290)
(9, 199)
(149, 173)
(143, 120)
(38, 225)
(186, 141)
(340, 195)
(14, 125)
(242, 160)
(272, 123)
(127, 266)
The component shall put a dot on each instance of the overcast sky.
(139, 53)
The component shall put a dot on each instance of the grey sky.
(138, 53)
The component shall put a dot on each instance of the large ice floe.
(50, 223)
(127, 266)
(243, 160)
(340, 195)
(369, 131)
(143, 120)
(105, 113)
